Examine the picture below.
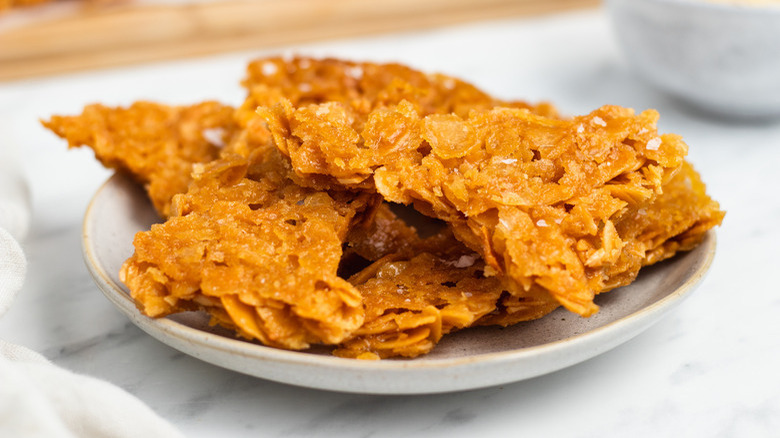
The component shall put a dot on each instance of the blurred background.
(42, 37)
(709, 369)
(721, 56)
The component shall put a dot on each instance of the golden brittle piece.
(418, 290)
(260, 255)
(538, 197)
(274, 221)
(360, 87)
(677, 220)
(411, 302)
(156, 144)
(364, 86)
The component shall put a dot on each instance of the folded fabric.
(13, 267)
(14, 201)
(38, 398)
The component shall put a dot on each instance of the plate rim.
(639, 320)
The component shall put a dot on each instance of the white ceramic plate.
(469, 359)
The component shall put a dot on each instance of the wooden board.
(125, 34)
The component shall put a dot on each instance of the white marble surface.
(708, 369)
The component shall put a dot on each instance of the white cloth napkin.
(38, 398)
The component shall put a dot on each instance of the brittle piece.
(259, 254)
(411, 301)
(418, 290)
(156, 144)
(537, 197)
(364, 86)
(558, 210)
(677, 220)
(360, 88)
(159, 145)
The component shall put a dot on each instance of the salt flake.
(268, 68)
(355, 72)
(654, 144)
(214, 136)
(465, 261)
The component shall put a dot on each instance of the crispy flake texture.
(275, 223)
(260, 254)
(156, 144)
(363, 86)
(411, 301)
(537, 197)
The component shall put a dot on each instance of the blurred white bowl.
(723, 57)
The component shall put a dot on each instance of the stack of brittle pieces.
(282, 215)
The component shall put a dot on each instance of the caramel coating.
(537, 197)
(156, 144)
(260, 255)
(276, 226)
(412, 301)
(364, 86)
